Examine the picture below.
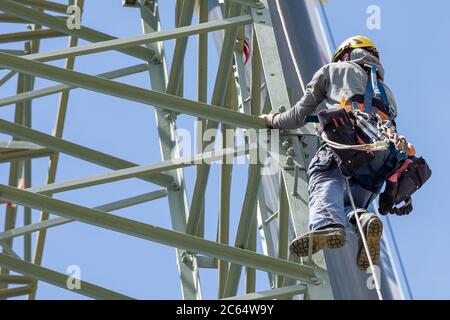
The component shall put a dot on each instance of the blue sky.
(415, 57)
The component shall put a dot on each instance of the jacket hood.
(362, 57)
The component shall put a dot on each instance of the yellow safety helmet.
(353, 43)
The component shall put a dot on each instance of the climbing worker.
(344, 84)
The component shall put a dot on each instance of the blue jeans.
(328, 197)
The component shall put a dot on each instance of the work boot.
(329, 237)
(373, 229)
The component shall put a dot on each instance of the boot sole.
(300, 245)
(373, 236)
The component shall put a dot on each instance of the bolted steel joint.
(156, 60)
(168, 116)
(289, 161)
(290, 151)
(174, 186)
(259, 5)
(187, 257)
(315, 280)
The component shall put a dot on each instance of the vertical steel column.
(176, 69)
(27, 84)
(30, 48)
(54, 157)
(292, 156)
(250, 273)
(202, 86)
(226, 175)
(218, 98)
(245, 223)
(15, 171)
(283, 227)
(186, 262)
(27, 172)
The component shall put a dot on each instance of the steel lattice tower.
(274, 206)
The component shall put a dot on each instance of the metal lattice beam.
(156, 234)
(240, 92)
(76, 150)
(40, 18)
(132, 93)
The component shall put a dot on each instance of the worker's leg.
(326, 206)
(362, 198)
(370, 222)
(326, 201)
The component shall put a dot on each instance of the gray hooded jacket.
(332, 82)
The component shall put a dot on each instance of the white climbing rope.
(364, 240)
(376, 146)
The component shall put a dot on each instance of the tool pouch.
(340, 126)
(401, 184)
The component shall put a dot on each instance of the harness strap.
(368, 96)
(375, 89)
(384, 96)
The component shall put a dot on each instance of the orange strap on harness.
(360, 106)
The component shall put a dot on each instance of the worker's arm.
(295, 117)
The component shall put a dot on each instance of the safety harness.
(357, 130)
(375, 101)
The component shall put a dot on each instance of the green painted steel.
(129, 42)
(218, 99)
(167, 237)
(234, 89)
(292, 158)
(176, 70)
(116, 205)
(54, 23)
(278, 293)
(45, 5)
(165, 122)
(7, 77)
(54, 158)
(243, 235)
(58, 279)
(25, 96)
(283, 227)
(15, 292)
(139, 171)
(132, 93)
(30, 35)
(25, 154)
(76, 150)
(7, 146)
